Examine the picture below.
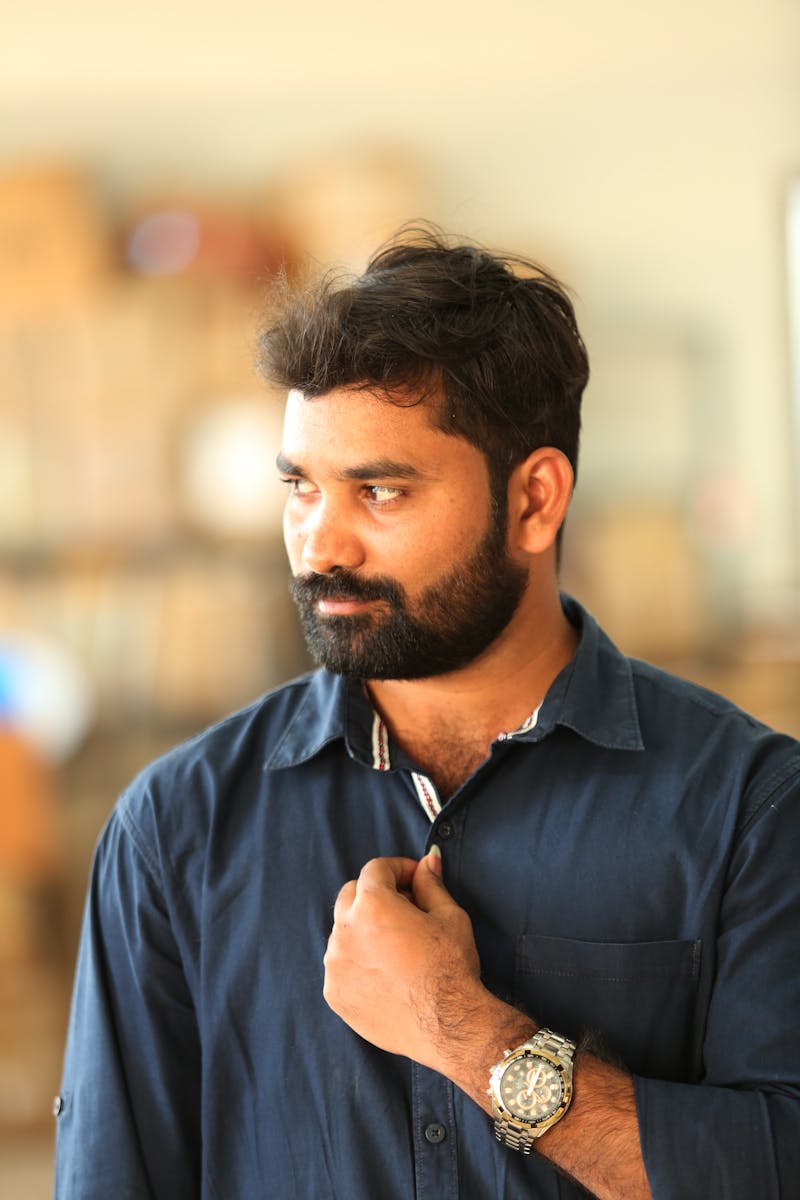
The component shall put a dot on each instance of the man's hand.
(402, 970)
(401, 967)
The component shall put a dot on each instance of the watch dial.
(531, 1088)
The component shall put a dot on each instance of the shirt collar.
(331, 708)
(317, 719)
(593, 695)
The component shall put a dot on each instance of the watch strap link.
(512, 1137)
(553, 1043)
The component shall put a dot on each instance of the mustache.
(342, 584)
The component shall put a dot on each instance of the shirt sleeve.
(734, 1137)
(129, 1119)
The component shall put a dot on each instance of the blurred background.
(158, 166)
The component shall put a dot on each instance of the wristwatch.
(531, 1089)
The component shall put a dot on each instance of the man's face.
(401, 567)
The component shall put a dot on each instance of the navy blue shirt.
(629, 860)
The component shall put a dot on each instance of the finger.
(428, 887)
(344, 901)
(394, 873)
(433, 860)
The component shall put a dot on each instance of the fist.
(401, 966)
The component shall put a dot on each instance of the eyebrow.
(376, 468)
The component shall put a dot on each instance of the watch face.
(531, 1088)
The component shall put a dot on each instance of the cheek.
(440, 543)
(292, 540)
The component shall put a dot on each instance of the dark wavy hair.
(490, 340)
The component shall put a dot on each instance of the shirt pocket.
(638, 996)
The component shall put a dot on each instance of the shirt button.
(58, 1104)
(435, 1133)
(445, 831)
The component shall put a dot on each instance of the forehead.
(350, 424)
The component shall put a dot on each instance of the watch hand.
(534, 1079)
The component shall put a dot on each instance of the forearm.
(402, 970)
(597, 1142)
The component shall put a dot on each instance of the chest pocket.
(639, 996)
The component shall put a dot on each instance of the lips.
(337, 605)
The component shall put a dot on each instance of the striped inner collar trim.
(426, 792)
(380, 744)
(427, 795)
(527, 724)
(380, 738)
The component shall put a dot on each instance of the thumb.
(428, 887)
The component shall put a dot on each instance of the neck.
(493, 694)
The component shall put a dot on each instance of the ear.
(539, 492)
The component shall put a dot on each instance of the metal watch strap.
(553, 1043)
(512, 1137)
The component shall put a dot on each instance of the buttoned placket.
(432, 1094)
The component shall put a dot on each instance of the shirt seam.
(691, 692)
(774, 787)
(137, 840)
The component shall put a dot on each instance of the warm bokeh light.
(164, 243)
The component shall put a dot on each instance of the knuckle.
(370, 907)
(344, 899)
(347, 890)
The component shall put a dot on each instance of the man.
(521, 839)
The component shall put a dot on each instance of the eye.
(298, 486)
(380, 493)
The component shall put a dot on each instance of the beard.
(455, 619)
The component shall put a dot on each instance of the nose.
(325, 541)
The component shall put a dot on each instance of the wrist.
(493, 1027)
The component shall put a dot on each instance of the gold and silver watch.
(531, 1089)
